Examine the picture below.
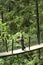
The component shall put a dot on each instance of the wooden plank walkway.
(20, 51)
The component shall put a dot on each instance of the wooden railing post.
(12, 45)
(29, 43)
(6, 44)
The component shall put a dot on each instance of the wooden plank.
(20, 51)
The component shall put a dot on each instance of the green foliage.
(13, 27)
(20, 15)
(1, 63)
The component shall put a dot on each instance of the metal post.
(38, 27)
(29, 43)
(12, 45)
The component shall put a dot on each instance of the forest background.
(16, 15)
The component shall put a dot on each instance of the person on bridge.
(22, 40)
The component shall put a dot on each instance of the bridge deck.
(20, 51)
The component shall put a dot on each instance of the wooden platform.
(20, 51)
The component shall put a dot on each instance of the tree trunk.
(38, 27)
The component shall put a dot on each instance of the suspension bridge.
(20, 51)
